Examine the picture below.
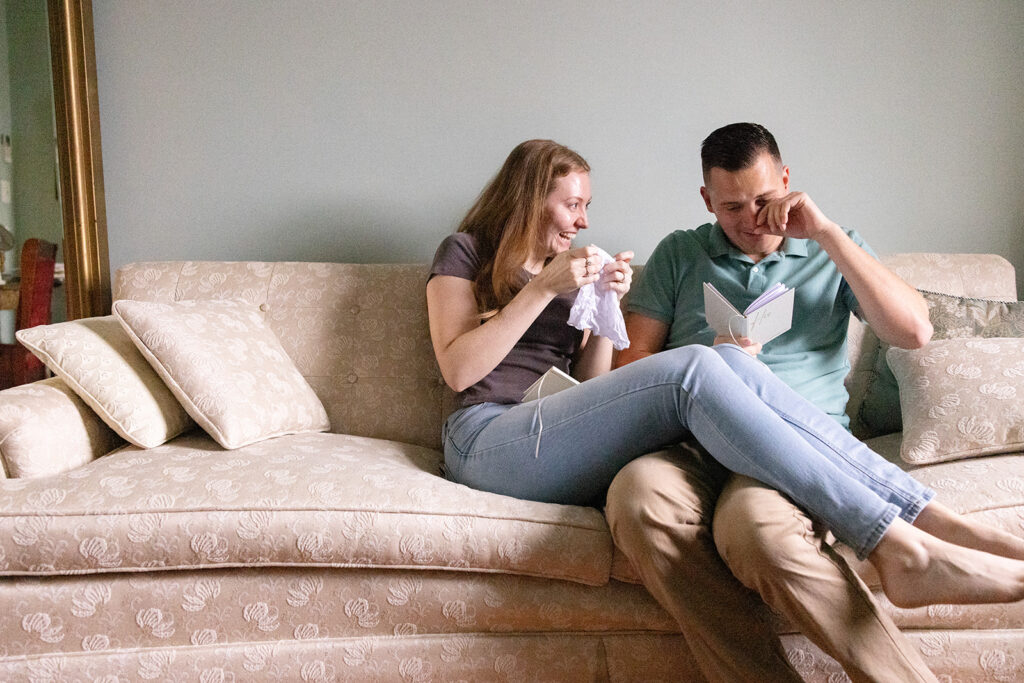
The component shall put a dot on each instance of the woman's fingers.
(585, 261)
(617, 275)
(615, 272)
(584, 265)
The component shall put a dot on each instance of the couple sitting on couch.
(760, 446)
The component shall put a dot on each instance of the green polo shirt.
(810, 357)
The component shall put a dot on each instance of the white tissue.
(598, 310)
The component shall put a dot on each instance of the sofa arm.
(46, 429)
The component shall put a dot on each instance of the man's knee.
(761, 535)
(670, 488)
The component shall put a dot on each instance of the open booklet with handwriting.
(768, 316)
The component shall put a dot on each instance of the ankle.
(902, 547)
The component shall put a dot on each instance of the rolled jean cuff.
(875, 535)
(910, 512)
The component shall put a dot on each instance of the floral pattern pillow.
(953, 317)
(226, 367)
(960, 398)
(100, 363)
(29, 444)
(956, 317)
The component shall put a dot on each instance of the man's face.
(736, 197)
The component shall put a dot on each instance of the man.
(660, 506)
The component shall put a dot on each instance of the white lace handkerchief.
(598, 310)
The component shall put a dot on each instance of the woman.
(498, 299)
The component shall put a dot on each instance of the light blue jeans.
(567, 447)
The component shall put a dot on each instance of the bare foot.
(918, 569)
(938, 520)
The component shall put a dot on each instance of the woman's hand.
(570, 270)
(617, 275)
(595, 356)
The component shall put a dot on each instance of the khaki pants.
(709, 576)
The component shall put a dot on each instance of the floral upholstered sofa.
(236, 477)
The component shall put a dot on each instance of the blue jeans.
(567, 447)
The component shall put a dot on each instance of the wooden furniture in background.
(9, 296)
(35, 296)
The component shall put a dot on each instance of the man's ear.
(785, 178)
(707, 197)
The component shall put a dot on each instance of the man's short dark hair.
(736, 146)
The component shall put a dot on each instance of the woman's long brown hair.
(507, 218)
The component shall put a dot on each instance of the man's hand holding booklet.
(766, 318)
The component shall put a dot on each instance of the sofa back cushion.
(357, 333)
(982, 276)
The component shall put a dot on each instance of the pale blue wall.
(361, 131)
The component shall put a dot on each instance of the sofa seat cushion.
(314, 499)
(175, 609)
(991, 486)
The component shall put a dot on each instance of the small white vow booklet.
(766, 318)
(551, 382)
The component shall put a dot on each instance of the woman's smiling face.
(566, 213)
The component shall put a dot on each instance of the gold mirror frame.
(76, 105)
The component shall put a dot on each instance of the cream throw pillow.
(960, 398)
(29, 444)
(100, 363)
(953, 317)
(226, 367)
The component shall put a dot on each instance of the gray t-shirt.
(549, 341)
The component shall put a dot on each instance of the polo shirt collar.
(719, 245)
(792, 247)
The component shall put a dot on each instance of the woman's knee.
(696, 362)
(692, 353)
(731, 352)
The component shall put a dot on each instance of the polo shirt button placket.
(756, 279)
